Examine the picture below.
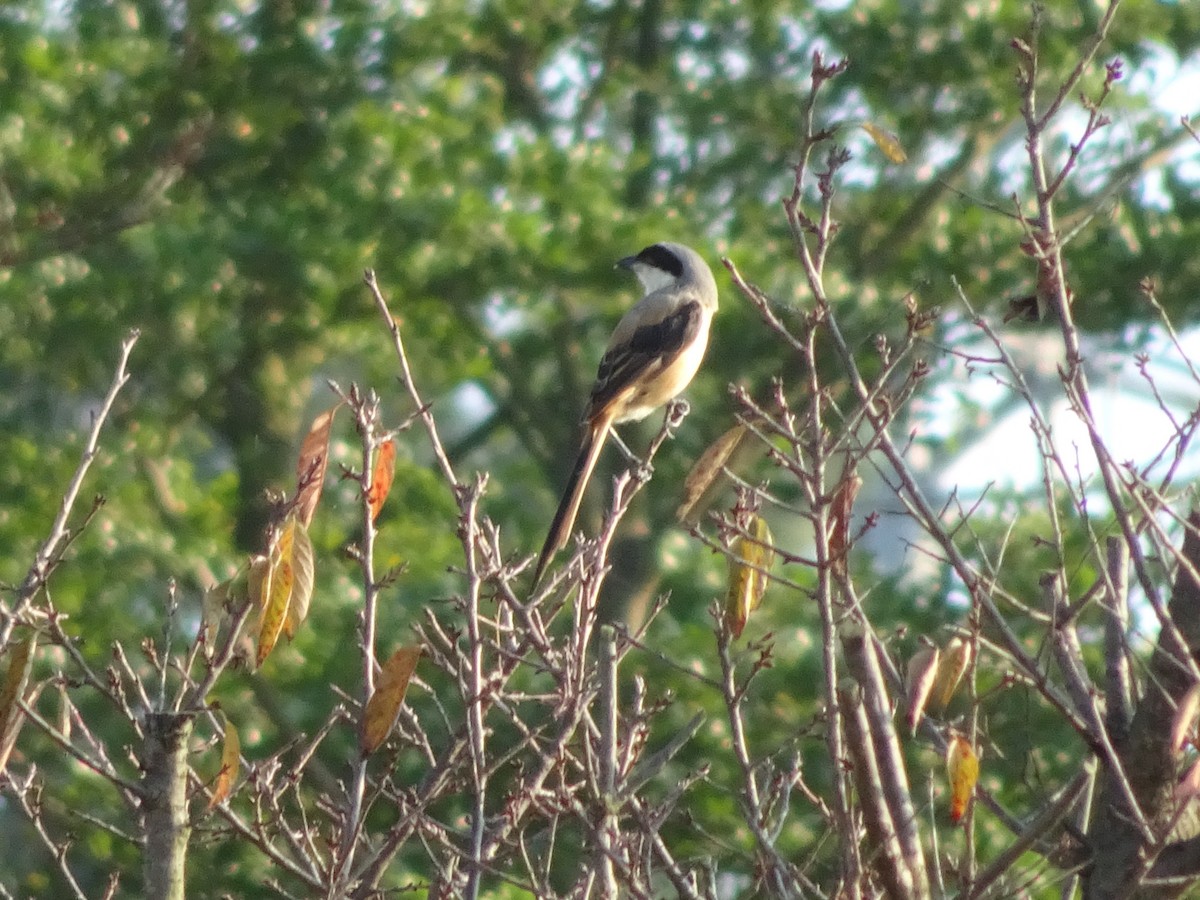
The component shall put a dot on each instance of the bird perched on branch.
(651, 357)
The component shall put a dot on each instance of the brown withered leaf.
(12, 691)
(383, 708)
(841, 507)
(381, 477)
(277, 589)
(231, 763)
(749, 560)
(962, 766)
(311, 466)
(922, 670)
(736, 446)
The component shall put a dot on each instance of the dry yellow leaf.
(303, 574)
(277, 589)
(950, 671)
(887, 142)
(750, 557)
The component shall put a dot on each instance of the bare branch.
(50, 551)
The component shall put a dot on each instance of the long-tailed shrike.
(652, 355)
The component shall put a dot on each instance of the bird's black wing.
(651, 347)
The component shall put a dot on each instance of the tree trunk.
(165, 826)
(1118, 847)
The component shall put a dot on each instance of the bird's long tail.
(568, 508)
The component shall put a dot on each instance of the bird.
(652, 356)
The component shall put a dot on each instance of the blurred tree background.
(218, 174)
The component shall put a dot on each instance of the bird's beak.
(626, 263)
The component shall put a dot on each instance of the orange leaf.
(310, 468)
(231, 762)
(12, 691)
(962, 765)
(277, 589)
(749, 559)
(384, 706)
(922, 671)
(303, 573)
(381, 477)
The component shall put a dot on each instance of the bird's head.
(666, 264)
